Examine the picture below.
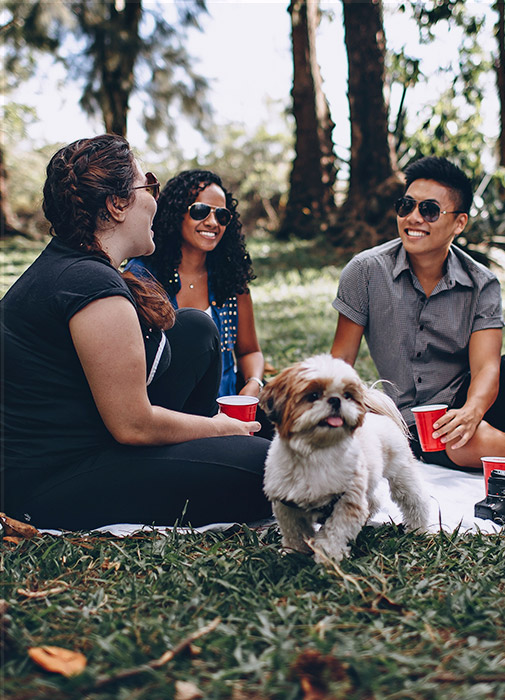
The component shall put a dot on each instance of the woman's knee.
(193, 327)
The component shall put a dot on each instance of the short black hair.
(446, 173)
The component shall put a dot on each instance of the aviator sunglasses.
(199, 211)
(153, 186)
(429, 210)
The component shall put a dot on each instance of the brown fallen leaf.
(5, 621)
(58, 660)
(185, 690)
(13, 540)
(314, 672)
(16, 528)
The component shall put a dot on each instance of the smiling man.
(431, 316)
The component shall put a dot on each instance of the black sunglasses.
(153, 186)
(199, 211)
(429, 210)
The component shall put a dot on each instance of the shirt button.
(418, 354)
(421, 327)
(419, 380)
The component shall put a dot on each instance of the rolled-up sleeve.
(488, 313)
(352, 295)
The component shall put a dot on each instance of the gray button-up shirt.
(418, 343)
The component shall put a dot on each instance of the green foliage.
(28, 29)
(96, 40)
(25, 167)
(16, 254)
(255, 167)
(450, 124)
(487, 226)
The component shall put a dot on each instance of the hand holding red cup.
(239, 406)
(425, 416)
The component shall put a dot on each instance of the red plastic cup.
(239, 406)
(490, 463)
(425, 417)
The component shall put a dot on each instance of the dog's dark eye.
(313, 396)
(348, 395)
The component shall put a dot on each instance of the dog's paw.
(328, 556)
(418, 528)
(285, 551)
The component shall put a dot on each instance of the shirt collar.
(402, 262)
(454, 271)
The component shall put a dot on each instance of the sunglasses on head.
(153, 186)
(429, 209)
(199, 211)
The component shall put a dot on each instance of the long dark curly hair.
(229, 264)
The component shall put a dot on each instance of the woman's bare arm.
(108, 341)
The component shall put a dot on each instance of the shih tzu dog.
(335, 439)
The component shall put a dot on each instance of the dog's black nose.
(334, 401)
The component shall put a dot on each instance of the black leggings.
(198, 482)
(495, 417)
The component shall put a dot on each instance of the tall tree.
(106, 44)
(311, 197)
(365, 218)
(25, 33)
(451, 123)
(118, 48)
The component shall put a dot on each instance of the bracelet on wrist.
(256, 379)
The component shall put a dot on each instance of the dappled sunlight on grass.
(296, 284)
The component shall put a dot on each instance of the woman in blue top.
(202, 262)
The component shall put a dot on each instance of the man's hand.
(457, 426)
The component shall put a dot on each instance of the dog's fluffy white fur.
(335, 439)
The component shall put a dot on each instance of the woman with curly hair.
(109, 411)
(202, 262)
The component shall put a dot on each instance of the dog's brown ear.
(275, 394)
(268, 402)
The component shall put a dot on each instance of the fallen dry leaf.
(185, 690)
(41, 594)
(13, 540)
(314, 672)
(58, 660)
(16, 528)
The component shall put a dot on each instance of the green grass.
(405, 617)
(15, 256)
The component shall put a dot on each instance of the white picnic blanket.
(452, 495)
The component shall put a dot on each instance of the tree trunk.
(500, 76)
(366, 218)
(115, 47)
(311, 196)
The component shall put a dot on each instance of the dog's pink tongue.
(335, 421)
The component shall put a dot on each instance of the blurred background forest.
(311, 167)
